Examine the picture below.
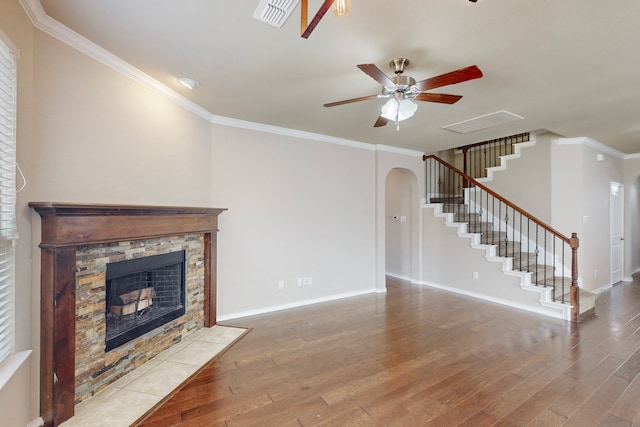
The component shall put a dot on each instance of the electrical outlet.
(476, 276)
(281, 284)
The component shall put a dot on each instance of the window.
(8, 232)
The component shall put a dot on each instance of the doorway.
(616, 206)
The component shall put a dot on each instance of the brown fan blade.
(376, 74)
(442, 98)
(380, 122)
(458, 76)
(349, 101)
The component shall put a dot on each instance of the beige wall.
(100, 136)
(297, 208)
(580, 196)
(527, 179)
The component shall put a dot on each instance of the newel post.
(574, 295)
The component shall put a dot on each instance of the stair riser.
(466, 217)
(540, 273)
(497, 238)
(524, 260)
(480, 227)
(456, 209)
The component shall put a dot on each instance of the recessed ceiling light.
(188, 82)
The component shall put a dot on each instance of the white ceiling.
(569, 66)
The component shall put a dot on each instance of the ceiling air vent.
(274, 12)
(483, 122)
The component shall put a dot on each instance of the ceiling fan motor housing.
(403, 81)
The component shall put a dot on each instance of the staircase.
(544, 260)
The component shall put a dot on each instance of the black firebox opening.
(143, 294)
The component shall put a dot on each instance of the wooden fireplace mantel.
(65, 226)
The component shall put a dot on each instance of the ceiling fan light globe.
(389, 109)
(406, 109)
(401, 110)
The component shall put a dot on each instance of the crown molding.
(45, 23)
(596, 146)
(244, 124)
(398, 150)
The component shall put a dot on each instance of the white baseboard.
(296, 304)
(405, 278)
(557, 315)
(602, 288)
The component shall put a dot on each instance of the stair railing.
(550, 256)
(482, 155)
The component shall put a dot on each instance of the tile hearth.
(127, 399)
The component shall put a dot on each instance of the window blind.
(8, 231)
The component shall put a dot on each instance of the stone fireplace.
(119, 284)
(134, 299)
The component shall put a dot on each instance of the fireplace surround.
(64, 228)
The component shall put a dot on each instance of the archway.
(401, 224)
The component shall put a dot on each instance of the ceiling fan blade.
(458, 76)
(442, 98)
(349, 101)
(376, 74)
(380, 122)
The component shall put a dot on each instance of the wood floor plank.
(611, 420)
(547, 418)
(467, 408)
(517, 396)
(596, 407)
(631, 367)
(586, 387)
(628, 405)
(417, 356)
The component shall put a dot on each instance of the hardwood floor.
(419, 357)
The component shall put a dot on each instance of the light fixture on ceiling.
(188, 82)
(398, 110)
(341, 8)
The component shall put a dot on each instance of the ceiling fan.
(403, 90)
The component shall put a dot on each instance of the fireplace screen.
(143, 294)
